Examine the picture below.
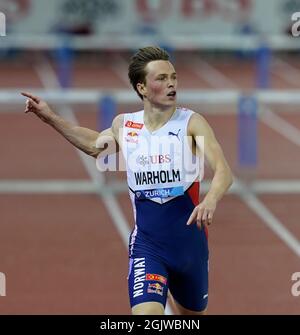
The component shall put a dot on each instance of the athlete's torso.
(161, 167)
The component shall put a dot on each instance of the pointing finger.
(31, 96)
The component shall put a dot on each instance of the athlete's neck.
(155, 118)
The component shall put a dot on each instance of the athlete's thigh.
(147, 281)
(189, 286)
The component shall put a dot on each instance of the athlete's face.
(160, 84)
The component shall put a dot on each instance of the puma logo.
(173, 134)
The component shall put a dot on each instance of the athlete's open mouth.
(171, 94)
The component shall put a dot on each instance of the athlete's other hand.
(203, 213)
(39, 107)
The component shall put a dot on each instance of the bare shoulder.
(198, 125)
(117, 123)
(117, 126)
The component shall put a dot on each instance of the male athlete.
(168, 248)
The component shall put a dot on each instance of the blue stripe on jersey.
(159, 193)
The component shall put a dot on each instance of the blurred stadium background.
(64, 226)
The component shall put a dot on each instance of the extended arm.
(222, 179)
(82, 138)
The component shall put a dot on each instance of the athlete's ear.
(141, 88)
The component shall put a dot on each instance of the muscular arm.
(89, 141)
(222, 178)
(82, 138)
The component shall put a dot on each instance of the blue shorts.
(178, 264)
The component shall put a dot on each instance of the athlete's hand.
(39, 107)
(203, 213)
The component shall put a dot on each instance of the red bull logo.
(132, 137)
(155, 288)
(132, 133)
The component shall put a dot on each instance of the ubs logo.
(153, 159)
